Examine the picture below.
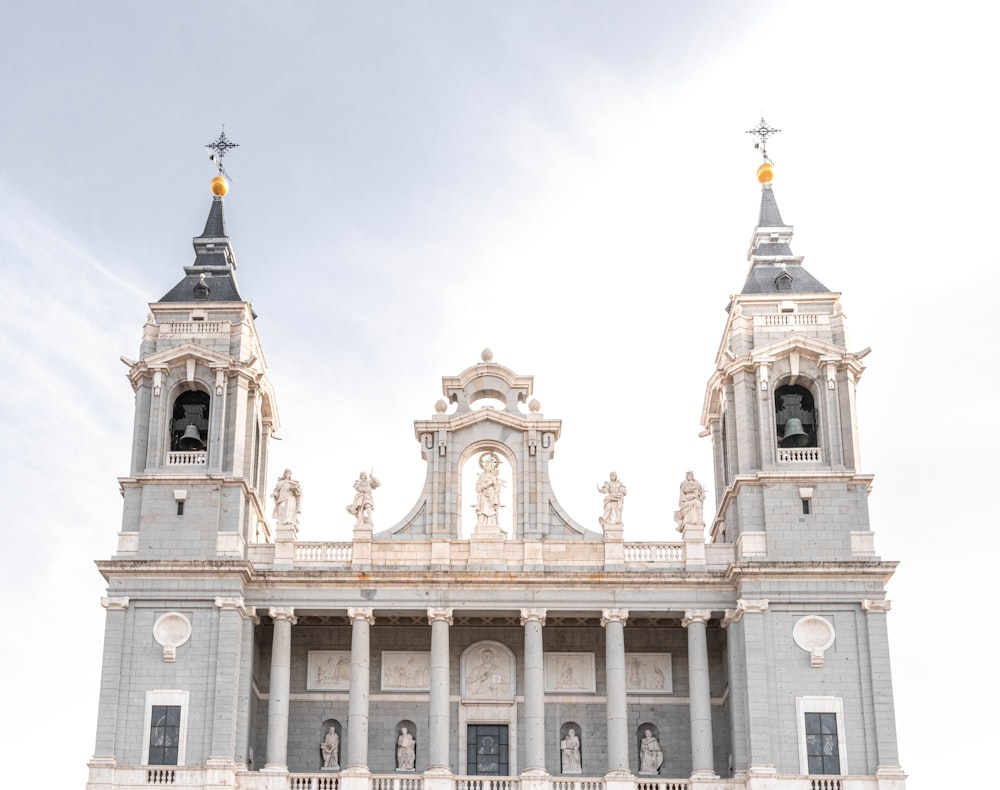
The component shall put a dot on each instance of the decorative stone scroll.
(649, 673)
(328, 670)
(570, 672)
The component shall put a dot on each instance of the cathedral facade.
(491, 655)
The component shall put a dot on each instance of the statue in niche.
(650, 754)
(331, 749)
(690, 512)
(364, 503)
(570, 748)
(405, 750)
(488, 486)
(614, 499)
(287, 501)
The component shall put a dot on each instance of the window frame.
(835, 705)
(177, 698)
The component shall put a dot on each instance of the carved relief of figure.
(650, 754)
(405, 750)
(570, 747)
(488, 491)
(364, 503)
(287, 500)
(690, 510)
(614, 499)
(485, 677)
(331, 749)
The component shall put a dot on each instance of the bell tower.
(781, 410)
(204, 413)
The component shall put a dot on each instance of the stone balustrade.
(790, 319)
(187, 458)
(339, 553)
(195, 328)
(797, 455)
(654, 552)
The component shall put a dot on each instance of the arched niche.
(330, 740)
(473, 468)
(406, 746)
(650, 749)
(570, 749)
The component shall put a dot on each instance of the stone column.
(702, 759)
(534, 692)
(613, 621)
(111, 672)
(440, 691)
(883, 708)
(228, 681)
(277, 695)
(356, 760)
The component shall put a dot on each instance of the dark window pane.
(164, 734)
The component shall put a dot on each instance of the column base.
(704, 774)
(274, 768)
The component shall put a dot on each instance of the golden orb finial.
(765, 173)
(220, 187)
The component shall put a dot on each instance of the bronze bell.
(795, 435)
(191, 440)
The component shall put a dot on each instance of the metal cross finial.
(761, 132)
(219, 149)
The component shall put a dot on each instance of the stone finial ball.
(220, 186)
(441, 407)
(765, 173)
(487, 355)
(534, 405)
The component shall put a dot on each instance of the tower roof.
(773, 266)
(212, 277)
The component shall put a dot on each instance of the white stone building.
(751, 653)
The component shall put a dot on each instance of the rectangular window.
(487, 745)
(165, 727)
(822, 740)
(164, 734)
(822, 744)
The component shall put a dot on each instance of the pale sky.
(568, 184)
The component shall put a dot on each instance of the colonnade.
(439, 736)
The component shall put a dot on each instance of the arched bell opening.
(794, 417)
(189, 427)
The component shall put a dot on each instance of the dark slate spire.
(773, 267)
(211, 278)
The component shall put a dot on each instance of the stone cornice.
(784, 571)
(520, 422)
(176, 569)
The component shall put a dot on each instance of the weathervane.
(761, 132)
(219, 149)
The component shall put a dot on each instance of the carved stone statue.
(614, 499)
(331, 749)
(690, 504)
(488, 491)
(363, 505)
(405, 750)
(570, 748)
(287, 501)
(650, 754)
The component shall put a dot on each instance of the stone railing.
(654, 552)
(396, 782)
(790, 319)
(795, 455)
(324, 552)
(486, 783)
(187, 458)
(578, 784)
(313, 782)
(195, 328)
(662, 784)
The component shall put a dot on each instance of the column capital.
(614, 616)
(446, 614)
(696, 616)
(743, 605)
(237, 604)
(361, 613)
(119, 603)
(533, 615)
(282, 613)
(870, 605)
